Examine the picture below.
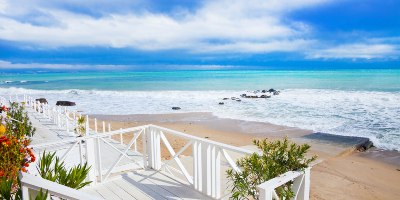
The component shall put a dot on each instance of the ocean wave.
(371, 114)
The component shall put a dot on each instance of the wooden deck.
(144, 184)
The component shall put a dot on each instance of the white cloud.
(9, 65)
(356, 51)
(217, 26)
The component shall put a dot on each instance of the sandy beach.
(341, 172)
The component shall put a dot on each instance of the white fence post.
(121, 139)
(99, 165)
(87, 125)
(145, 148)
(91, 159)
(197, 170)
(95, 125)
(206, 168)
(301, 185)
(153, 148)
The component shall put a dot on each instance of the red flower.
(1, 173)
(26, 164)
(3, 139)
(33, 158)
(24, 169)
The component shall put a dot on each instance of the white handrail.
(29, 181)
(301, 185)
(199, 139)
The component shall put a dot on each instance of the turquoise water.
(343, 102)
(378, 80)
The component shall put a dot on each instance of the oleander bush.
(15, 156)
(276, 158)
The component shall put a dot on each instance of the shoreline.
(372, 174)
(324, 143)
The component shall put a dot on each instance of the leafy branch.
(278, 157)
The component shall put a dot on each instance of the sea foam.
(371, 114)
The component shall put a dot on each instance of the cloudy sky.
(258, 33)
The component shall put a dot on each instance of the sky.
(189, 34)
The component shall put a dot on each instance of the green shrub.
(278, 157)
(20, 126)
(51, 168)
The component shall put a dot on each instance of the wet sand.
(341, 172)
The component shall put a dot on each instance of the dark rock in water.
(263, 91)
(243, 95)
(225, 98)
(65, 103)
(176, 108)
(271, 90)
(42, 100)
(365, 146)
(276, 92)
(221, 103)
(264, 96)
(238, 100)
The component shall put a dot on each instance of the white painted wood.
(230, 161)
(36, 183)
(142, 190)
(132, 190)
(122, 194)
(177, 154)
(145, 148)
(81, 153)
(95, 125)
(217, 168)
(87, 125)
(119, 158)
(121, 139)
(197, 170)
(159, 181)
(119, 151)
(206, 168)
(104, 191)
(67, 152)
(178, 162)
(190, 137)
(91, 159)
(147, 185)
(25, 192)
(99, 162)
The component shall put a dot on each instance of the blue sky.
(192, 34)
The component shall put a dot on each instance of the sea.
(351, 102)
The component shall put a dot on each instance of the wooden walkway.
(133, 184)
(144, 184)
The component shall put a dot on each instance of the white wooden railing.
(205, 172)
(301, 185)
(31, 184)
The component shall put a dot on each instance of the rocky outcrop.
(365, 145)
(176, 108)
(65, 103)
(221, 103)
(42, 100)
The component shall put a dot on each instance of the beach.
(341, 172)
(334, 111)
